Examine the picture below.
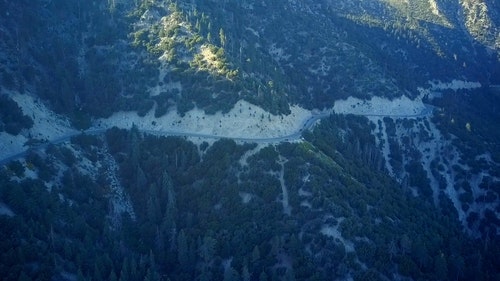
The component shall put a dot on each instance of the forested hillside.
(226, 211)
(249, 140)
(128, 55)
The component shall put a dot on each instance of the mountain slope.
(364, 143)
(321, 209)
(318, 53)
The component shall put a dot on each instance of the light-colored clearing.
(334, 232)
(246, 197)
(244, 158)
(377, 106)
(243, 121)
(47, 125)
(304, 193)
(306, 204)
(5, 210)
(454, 85)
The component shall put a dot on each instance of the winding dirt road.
(306, 124)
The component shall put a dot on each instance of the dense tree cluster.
(469, 121)
(12, 119)
(72, 54)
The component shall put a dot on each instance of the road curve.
(306, 124)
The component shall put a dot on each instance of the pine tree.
(153, 205)
(169, 228)
(440, 267)
(230, 274)
(245, 274)
(141, 180)
(79, 276)
(255, 254)
(125, 272)
(263, 276)
(207, 249)
(112, 276)
(97, 273)
(289, 274)
(182, 250)
(134, 149)
(134, 274)
(152, 262)
(160, 245)
(152, 273)
(168, 189)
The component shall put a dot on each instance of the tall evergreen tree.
(112, 276)
(125, 272)
(182, 250)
